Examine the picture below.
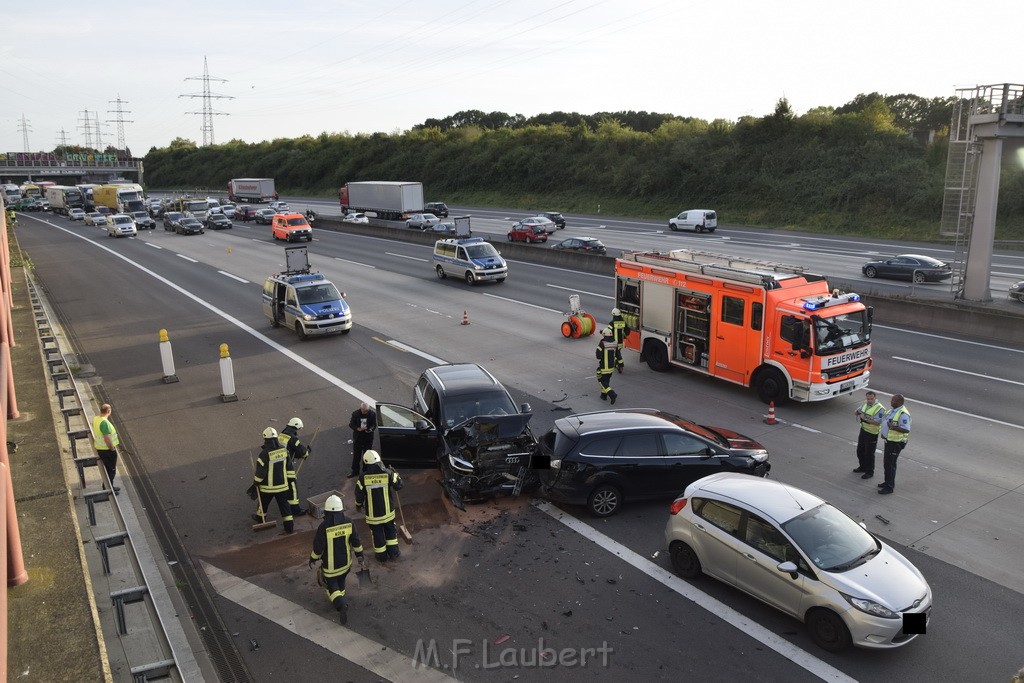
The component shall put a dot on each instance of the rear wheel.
(604, 501)
(440, 273)
(656, 356)
(828, 630)
(684, 560)
(771, 386)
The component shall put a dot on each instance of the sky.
(310, 66)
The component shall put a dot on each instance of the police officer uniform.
(334, 543)
(618, 325)
(870, 415)
(271, 478)
(297, 452)
(605, 354)
(373, 496)
(895, 441)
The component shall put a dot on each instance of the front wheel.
(604, 501)
(672, 227)
(870, 271)
(919, 278)
(299, 330)
(469, 279)
(828, 630)
(510, 238)
(440, 273)
(771, 386)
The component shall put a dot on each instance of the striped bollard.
(167, 358)
(227, 376)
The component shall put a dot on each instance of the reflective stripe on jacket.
(373, 489)
(97, 436)
(271, 474)
(893, 435)
(871, 411)
(335, 541)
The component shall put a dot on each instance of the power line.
(119, 120)
(207, 96)
(62, 138)
(86, 128)
(24, 127)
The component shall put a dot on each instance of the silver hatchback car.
(799, 554)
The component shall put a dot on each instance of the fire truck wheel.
(656, 356)
(771, 386)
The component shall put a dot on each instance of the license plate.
(846, 386)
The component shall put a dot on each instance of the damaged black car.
(465, 423)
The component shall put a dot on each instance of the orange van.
(291, 227)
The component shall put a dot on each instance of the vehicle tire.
(919, 278)
(309, 239)
(711, 229)
(672, 227)
(440, 273)
(698, 229)
(202, 232)
(870, 271)
(469, 279)
(656, 356)
(828, 630)
(500, 280)
(771, 386)
(301, 332)
(684, 561)
(604, 501)
(346, 331)
(510, 238)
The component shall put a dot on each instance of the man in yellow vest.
(618, 325)
(605, 354)
(105, 441)
(373, 489)
(895, 432)
(271, 479)
(334, 543)
(870, 417)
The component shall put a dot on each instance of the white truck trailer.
(391, 200)
(252, 190)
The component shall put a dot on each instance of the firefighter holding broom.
(270, 480)
(333, 545)
(297, 453)
(373, 490)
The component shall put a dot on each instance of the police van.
(305, 301)
(471, 259)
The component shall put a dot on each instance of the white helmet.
(295, 422)
(371, 457)
(616, 311)
(607, 331)
(333, 504)
(269, 433)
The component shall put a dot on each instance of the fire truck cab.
(765, 325)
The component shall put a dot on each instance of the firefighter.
(605, 354)
(333, 544)
(271, 479)
(618, 325)
(373, 489)
(297, 451)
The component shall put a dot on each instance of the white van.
(472, 259)
(698, 220)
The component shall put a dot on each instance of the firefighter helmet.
(371, 457)
(616, 311)
(295, 422)
(269, 433)
(607, 331)
(333, 504)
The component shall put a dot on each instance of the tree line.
(854, 168)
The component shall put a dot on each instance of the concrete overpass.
(17, 167)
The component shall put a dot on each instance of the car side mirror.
(525, 408)
(788, 568)
(421, 426)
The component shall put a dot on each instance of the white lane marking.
(806, 429)
(355, 263)
(730, 616)
(287, 353)
(962, 372)
(573, 289)
(411, 258)
(345, 643)
(190, 260)
(522, 303)
(951, 410)
(155, 246)
(421, 354)
(939, 336)
(233, 277)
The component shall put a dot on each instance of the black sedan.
(909, 267)
(1017, 291)
(217, 221)
(190, 226)
(591, 245)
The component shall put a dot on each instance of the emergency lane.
(707, 402)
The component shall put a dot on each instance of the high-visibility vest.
(871, 411)
(378, 497)
(338, 557)
(276, 479)
(97, 436)
(606, 356)
(893, 435)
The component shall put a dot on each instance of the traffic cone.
(465, 317)
(770, 420)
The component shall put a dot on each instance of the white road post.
(227, 376)
(167, 358)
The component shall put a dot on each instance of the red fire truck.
(767, 325)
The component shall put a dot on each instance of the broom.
(260, 526)
(402, 529)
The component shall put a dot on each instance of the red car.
(245, 213)
(527, 233)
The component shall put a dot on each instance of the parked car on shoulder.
(264, 216)
(171, 220)
(909, 267)
(799, 554)
(555, 217)
(189, 226)
(591, 245)
(422, 221)
(1017, 291)
(121, 225)
(443, 229)
(95, 218)
(544, 224)
(76, 214)
(601, 459)
(358, 218)
(143, 220)
(527, 233)
(217, 221)
(698, 220)
(439, 209)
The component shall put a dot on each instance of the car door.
(764, 548)
(716, 526)
(640, 466)
(407, 438)
(687, 459)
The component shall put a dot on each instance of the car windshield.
(175, 215)
(830, 539)
(195, 206)
(190, 221)
(318, 294)
(140, 215)
(481, 250)
(842, 332)
(297, 221)
(458, 409)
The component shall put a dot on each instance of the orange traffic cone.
(770, 420)
(465, 317)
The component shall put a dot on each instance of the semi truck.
(12, 193)
(755, 323)
(257, 190)
(119, 198)
(87, 190)
(64, 197)
(389, 200)
(191, 206)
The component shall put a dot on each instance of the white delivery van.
(698, 220)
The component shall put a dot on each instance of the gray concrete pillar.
(977, 285)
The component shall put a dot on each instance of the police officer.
(895, 431)
(618, 325)
(373, 489)
(870, 417)
(333, 544)
(297, 452)
(271, 479)
(605, 354)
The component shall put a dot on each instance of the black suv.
(439, 209)
(465, 422)
(555, 217)
(600, 459)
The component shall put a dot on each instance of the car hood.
(887, 578)
(739, 444)
(338, 308)
(489, 440)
